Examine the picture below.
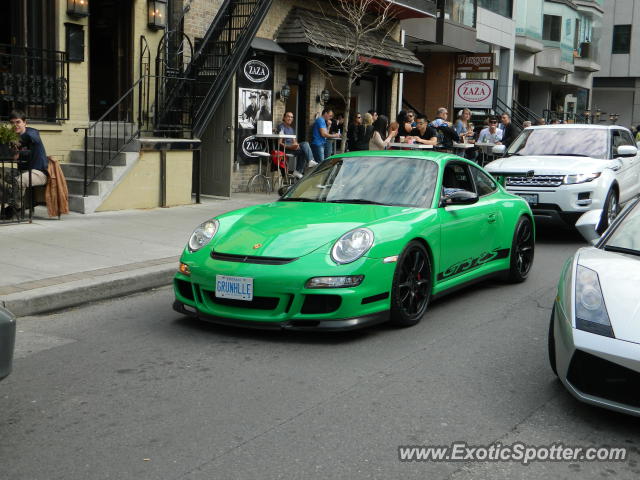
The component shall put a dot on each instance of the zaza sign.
(474, 94)
(256, 71)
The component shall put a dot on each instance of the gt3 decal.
(471, 263)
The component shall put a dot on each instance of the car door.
(627, 173)
(468, 232)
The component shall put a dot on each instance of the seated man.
(491, 134)
(424, 133)
(302, 151)
(32, 162)
(446, 133)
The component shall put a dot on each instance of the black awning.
(266, 45)
(308, 32)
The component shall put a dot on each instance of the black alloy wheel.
(522, 251)
(412, 284)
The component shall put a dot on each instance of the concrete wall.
(141, 186)
(620, 12)
(495, 29)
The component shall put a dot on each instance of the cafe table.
(273, 144)
(410, 146)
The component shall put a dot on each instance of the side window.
(456, 177)
(484, 183)
(618, 138)
(628, 139)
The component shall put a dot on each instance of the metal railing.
(34, 80)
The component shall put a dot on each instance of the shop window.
(621, 39)
(552, 28)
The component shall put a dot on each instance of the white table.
(413, 146)
(487, 152)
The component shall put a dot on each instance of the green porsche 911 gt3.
(367, 237)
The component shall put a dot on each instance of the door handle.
(491, 218)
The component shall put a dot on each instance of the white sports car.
(594, 334)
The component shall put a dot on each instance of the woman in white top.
(382, 137)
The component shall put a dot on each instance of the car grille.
(601, 378)
(228, 257)
(536, 181)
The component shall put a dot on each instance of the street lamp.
(157, 14)
(78, 8)
(285, 91)
(587, 114)
(598, 113)
(323, 98)
(613, 118)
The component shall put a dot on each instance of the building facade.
(467, 41)
(616, 87)
(556, 56)
(146, 101)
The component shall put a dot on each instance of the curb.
(79, 292)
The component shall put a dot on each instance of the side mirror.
(626, 151)
(461, 197)
(499, 150)
(284, 189)
(589, 225)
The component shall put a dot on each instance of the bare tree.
(357, 34)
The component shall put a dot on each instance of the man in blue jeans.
(301, 151)
(320, 134)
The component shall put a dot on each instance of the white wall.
(618, 101)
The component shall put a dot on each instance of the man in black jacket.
(509, 130)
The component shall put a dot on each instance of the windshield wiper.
(613, 248)
(560, 154)
(356, 200)
(298, 199)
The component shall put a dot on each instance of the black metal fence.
(34, 80)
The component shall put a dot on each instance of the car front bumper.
(597, 370)
(564, 203)
(280, 299)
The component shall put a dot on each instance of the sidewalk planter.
(7, 341)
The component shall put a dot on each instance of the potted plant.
(9, 141)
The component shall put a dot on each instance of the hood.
(293, 229)
(619, 276)
(549, 165)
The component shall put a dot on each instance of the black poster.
(255, 102)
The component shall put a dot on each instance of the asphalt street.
(129, 389)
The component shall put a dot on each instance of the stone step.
(113, 144)
(76, 186)
(99, 157)
(113, 129)
(76, 170)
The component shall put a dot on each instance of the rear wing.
(501, 175)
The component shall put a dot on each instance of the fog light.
(184, 269)
(335, 282)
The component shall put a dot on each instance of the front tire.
(609, 210)
(412, 284)
(522, 251)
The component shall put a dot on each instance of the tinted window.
(627, 235)
(484, 183)
(552, 28)
(456, 177)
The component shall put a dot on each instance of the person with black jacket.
(509, 130)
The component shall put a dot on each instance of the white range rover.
(566, 170)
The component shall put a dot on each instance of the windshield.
(578, 142)
(396, 181)
(626, 237)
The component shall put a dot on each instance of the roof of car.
(427, 154)
(578, 125)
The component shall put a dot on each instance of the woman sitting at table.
(423, 133)
(382, 135)
(464, 128)
(405, 125)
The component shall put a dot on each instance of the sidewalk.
(51, 264)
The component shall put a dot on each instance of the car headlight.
(581, 178)
(591, 312)
(352, 245)
(203, 234)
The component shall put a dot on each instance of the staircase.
(198, 94)
(107, 176)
